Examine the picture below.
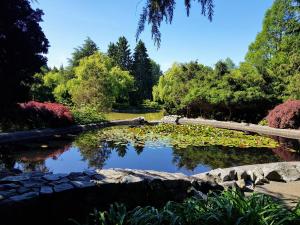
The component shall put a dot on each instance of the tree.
(98, 82)
(156, 11)
(276, 50)
(88, 48)
(22, 48)
(121, 54)
(142, 72)
(155, 71)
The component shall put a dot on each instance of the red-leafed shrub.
(46, 114)
(285, 115)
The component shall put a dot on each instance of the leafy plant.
(285, 115)
(182, 136)
(86, 115)
(227, 208)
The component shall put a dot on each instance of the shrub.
(86, 115)
(230, 207)
(285, 115)
(45, 114)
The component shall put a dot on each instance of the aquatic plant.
(182, 136)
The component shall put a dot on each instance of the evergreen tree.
(142, 72)
(121, 54)
(22, 48)
(88, 48)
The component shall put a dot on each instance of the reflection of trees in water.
(220, 156)
(283, 150)
(32, 156)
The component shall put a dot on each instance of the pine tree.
(142, 72)
(121, 54)
(88, 48)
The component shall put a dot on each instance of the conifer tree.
(142, 72)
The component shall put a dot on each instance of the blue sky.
(235, 24)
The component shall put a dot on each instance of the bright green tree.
(98, 82)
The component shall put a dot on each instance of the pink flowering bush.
(45, 114)
(285, 115)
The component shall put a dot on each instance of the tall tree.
(88, 48)
(22, 48)
(275, 53)
(142, 72)
(121, 54)
(156, 11)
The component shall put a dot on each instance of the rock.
(241, 184)
(32, 183)
(62, 187)
(229, 185)
(54, 177)
(83, 178)
(46, 190)
(4, 187)
(98, 177)
(74, 175)
(274, 176)
(23, 190)
(82, 184)
(131, 179)
(14, 178)
(8, 193)
(25, 196)
(90, 173)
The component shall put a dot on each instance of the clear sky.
(235, 24)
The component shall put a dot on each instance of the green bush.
(230, 207)
(148, 104)
(86, 115)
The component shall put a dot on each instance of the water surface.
(69, 154)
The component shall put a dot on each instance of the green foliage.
(22, 52)
(142, 72)
(227, 208)
(88, 48)
(87, 115)
(156, 11)
(98, 83)
(120, 53)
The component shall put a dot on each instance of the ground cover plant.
(185, 135)
(227, 208)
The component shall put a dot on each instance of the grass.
(122, 116)
(227, 208)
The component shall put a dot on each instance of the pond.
(141, 148)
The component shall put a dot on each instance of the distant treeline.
(269, 75)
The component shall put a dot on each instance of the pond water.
(70, 154)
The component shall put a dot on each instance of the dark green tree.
(22, 48)
(121, 54)
(142, 72)
(156, 11)
(88, 48)
(156, 71)
(221, 68)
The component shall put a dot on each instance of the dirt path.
(289, 193)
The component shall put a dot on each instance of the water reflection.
(66, 154)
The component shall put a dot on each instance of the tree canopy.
(22, 48)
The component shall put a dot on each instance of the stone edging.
(29, 185)
(246, 177)
(48, 132)
(287, 133)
